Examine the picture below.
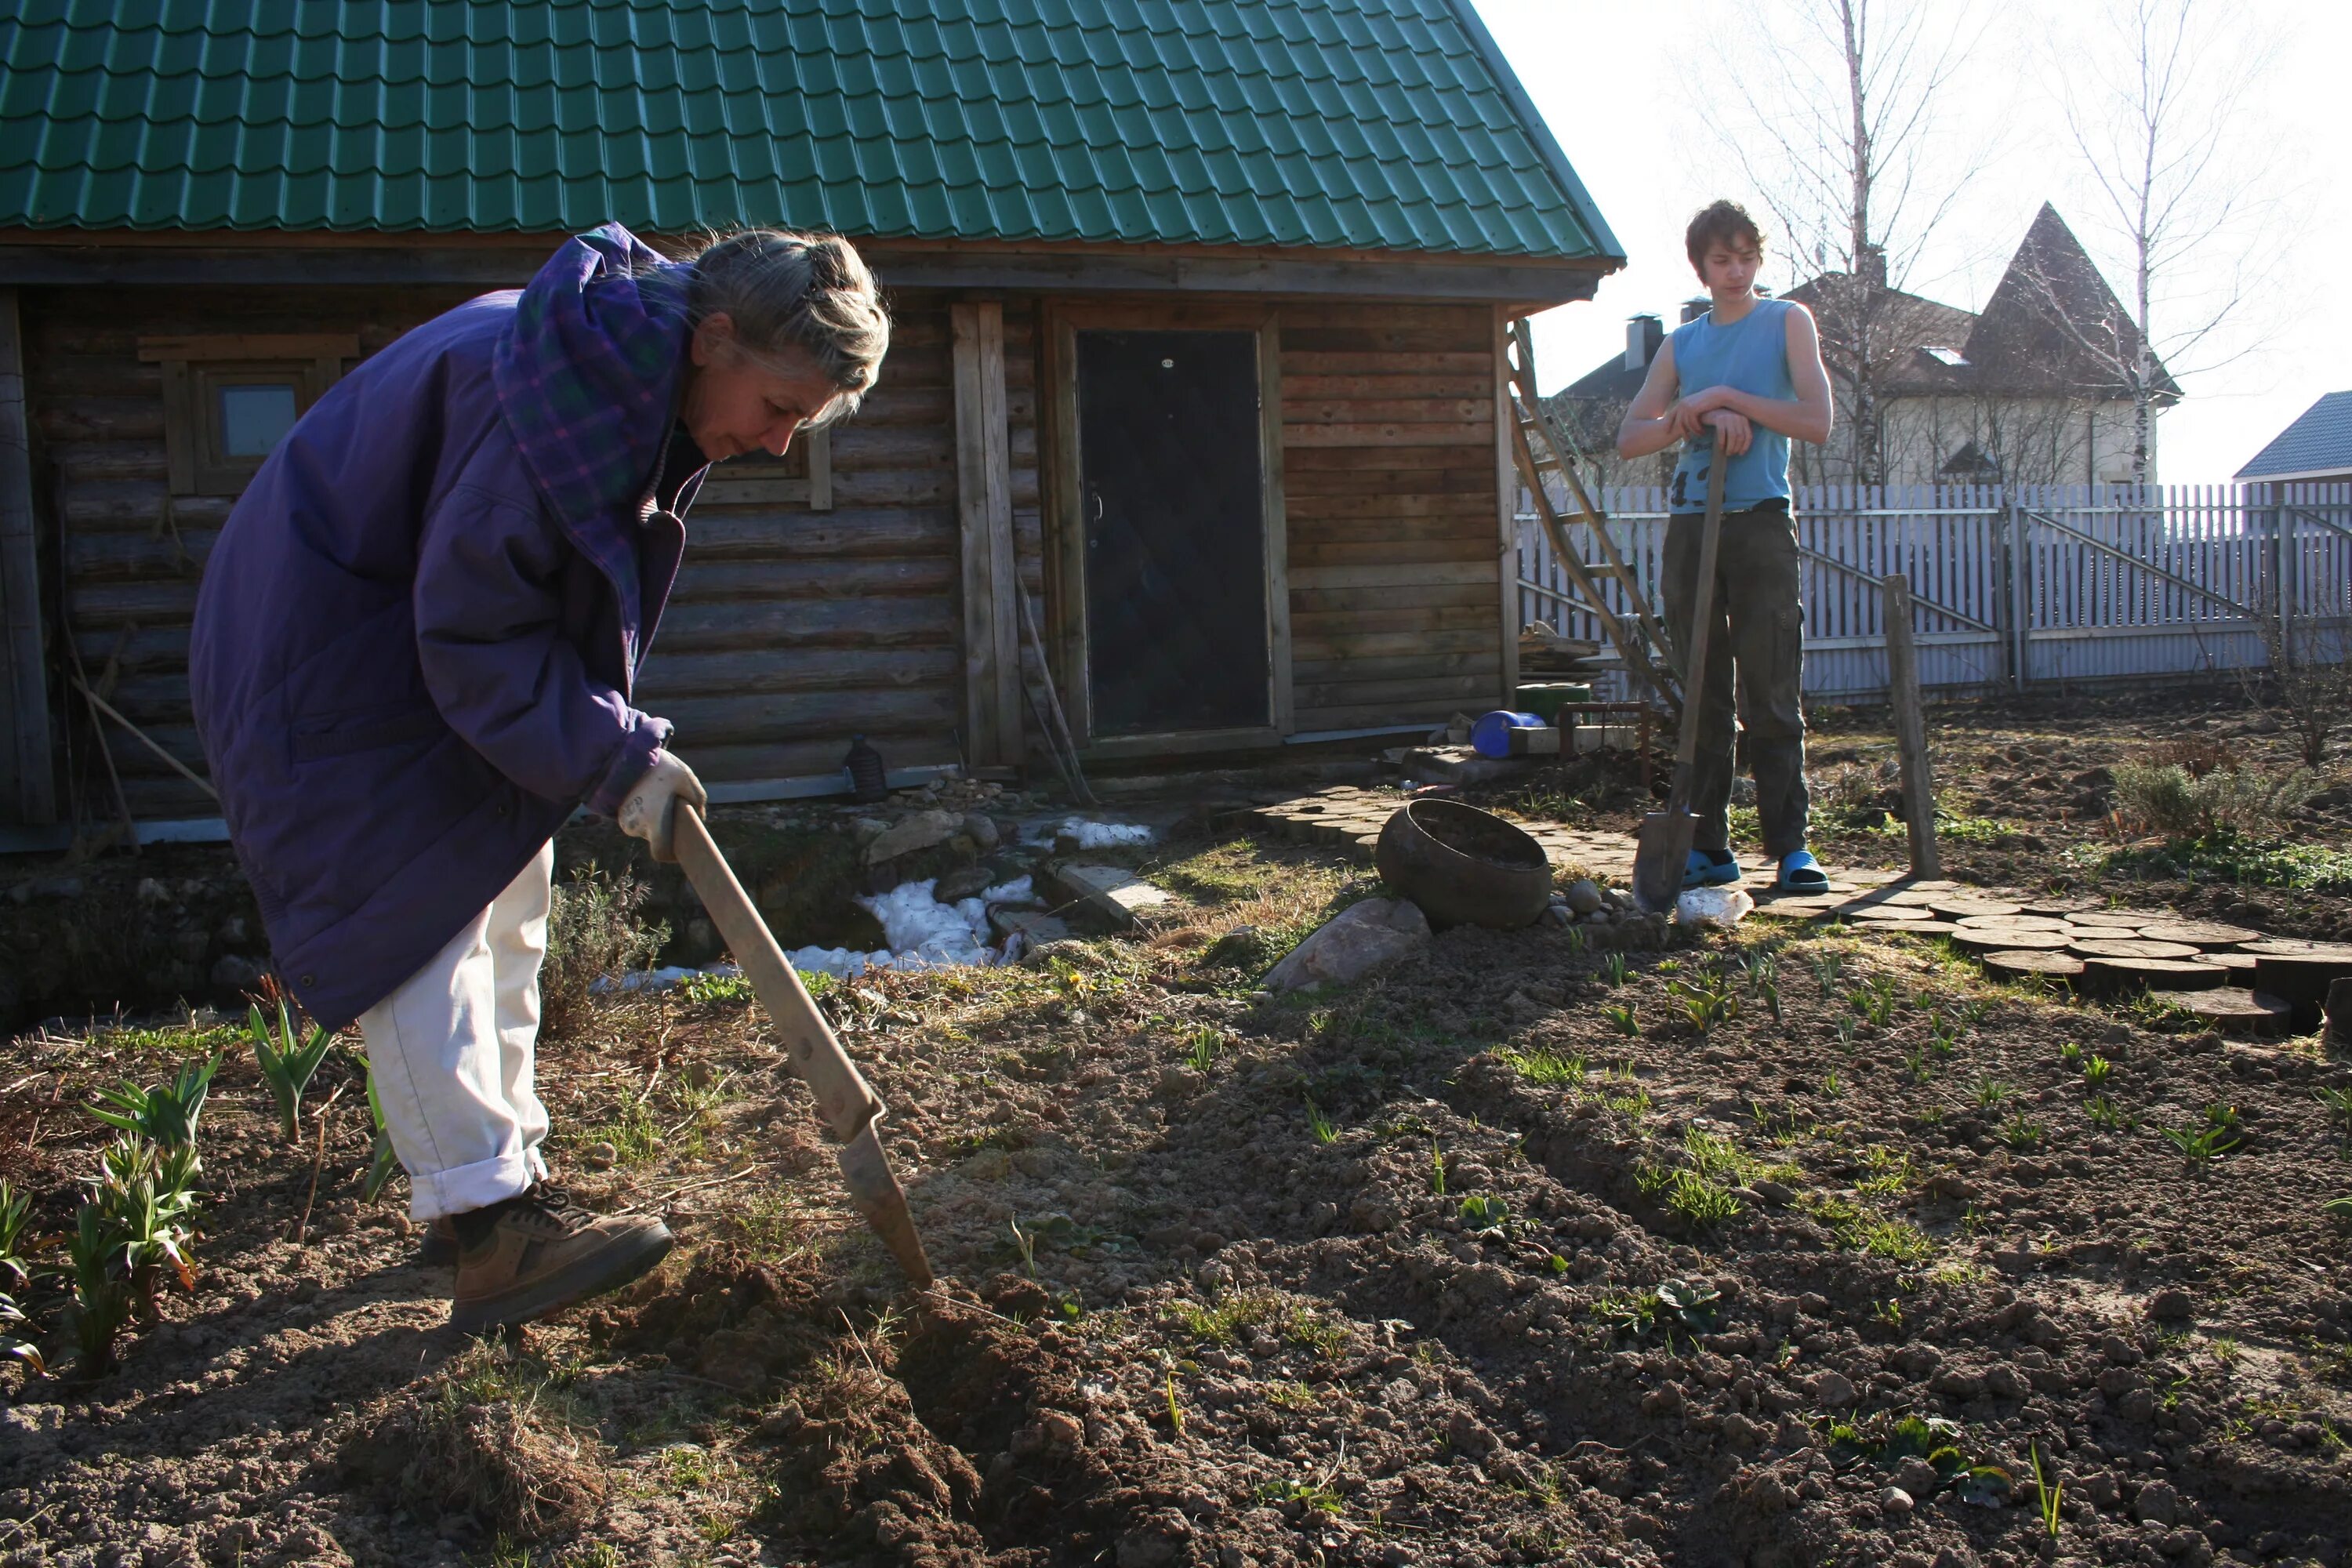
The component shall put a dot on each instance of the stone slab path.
(2216, 970)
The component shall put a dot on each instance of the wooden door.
(1171, 502)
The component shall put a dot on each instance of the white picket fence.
(2018, 588)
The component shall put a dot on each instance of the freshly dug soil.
(1497, 1258)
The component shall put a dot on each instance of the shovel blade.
(1661, 855)
(874, 1189)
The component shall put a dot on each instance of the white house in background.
(2316, 449)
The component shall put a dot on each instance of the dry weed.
(516, 1462)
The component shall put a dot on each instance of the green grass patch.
(1548, 1067)
(2227, 858)
(1861, 1229)
(1223, 1322)
(172, 1039)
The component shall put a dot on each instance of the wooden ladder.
(1543, 447)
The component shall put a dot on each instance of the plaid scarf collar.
(587, 379)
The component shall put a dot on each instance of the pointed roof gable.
(2053, 326)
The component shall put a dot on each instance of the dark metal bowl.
(1463, 865)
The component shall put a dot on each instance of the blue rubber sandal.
(1801, 873)
(1704, 870)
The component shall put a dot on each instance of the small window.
(229, 400)
(253, 415)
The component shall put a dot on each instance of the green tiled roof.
(1369, 124)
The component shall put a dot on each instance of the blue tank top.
(1751, 355)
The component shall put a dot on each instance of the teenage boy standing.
(1740, 382)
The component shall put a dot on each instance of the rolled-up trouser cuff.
(476, 1186)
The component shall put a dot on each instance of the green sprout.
(286, 1067)
(2201, 1145)
(102, 1298)
(1485, 1216)
(1206, 1044)
(1613, 969)
(381, 1160)
(2049, 1492)
(2097, 1071)
(1436, 1170)
(15, 1210)
(1623, 1019)
(166, 1114)
(1318, 1125)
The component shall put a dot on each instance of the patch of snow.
(1019, 890)
(1105, 834)
(841, 963)
(660, 979)
(923, 931)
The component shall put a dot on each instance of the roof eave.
(2341, 470)
(1520, 284)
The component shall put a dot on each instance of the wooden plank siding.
(1388, 442)
(130, 551)
(790, 629)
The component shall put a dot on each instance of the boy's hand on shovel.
(648, 812)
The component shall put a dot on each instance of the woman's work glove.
(647, 812)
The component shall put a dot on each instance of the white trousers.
(452, 1052)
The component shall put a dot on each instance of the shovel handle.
(845, 1099)
(1710, 540)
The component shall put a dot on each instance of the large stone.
(1111, 894)
(964, 882)
(915, 832)
(1358, 939)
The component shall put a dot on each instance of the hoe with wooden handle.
(849, 1107)
(1664, 849)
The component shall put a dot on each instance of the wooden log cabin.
(1199, 304)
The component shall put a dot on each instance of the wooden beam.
(1910, 728)
(1524, 284)
(1274, 521)
(333, 348)
(1506, 496)
(992, 645)
(28, 777)
(819, 444)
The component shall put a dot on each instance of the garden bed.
(1500, 1257)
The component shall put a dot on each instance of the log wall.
(1391, 507)
(793, 629)
(790, 629)
(128, 552)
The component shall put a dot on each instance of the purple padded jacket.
(416, 637)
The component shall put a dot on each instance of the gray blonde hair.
(786, 289)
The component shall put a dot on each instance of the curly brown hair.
(1723, 223)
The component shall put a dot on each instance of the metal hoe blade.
(848, 1104)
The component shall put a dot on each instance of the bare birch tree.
(1840, 108)
(2158, 122)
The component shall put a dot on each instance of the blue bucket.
(1491, 735)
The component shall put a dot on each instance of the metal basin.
(1463, 865)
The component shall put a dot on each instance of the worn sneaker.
(535, 1255)
(439, 1248)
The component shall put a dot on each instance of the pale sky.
(1622, 87)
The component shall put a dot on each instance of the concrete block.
(1112, 894)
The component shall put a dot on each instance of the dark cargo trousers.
(1759, 631)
